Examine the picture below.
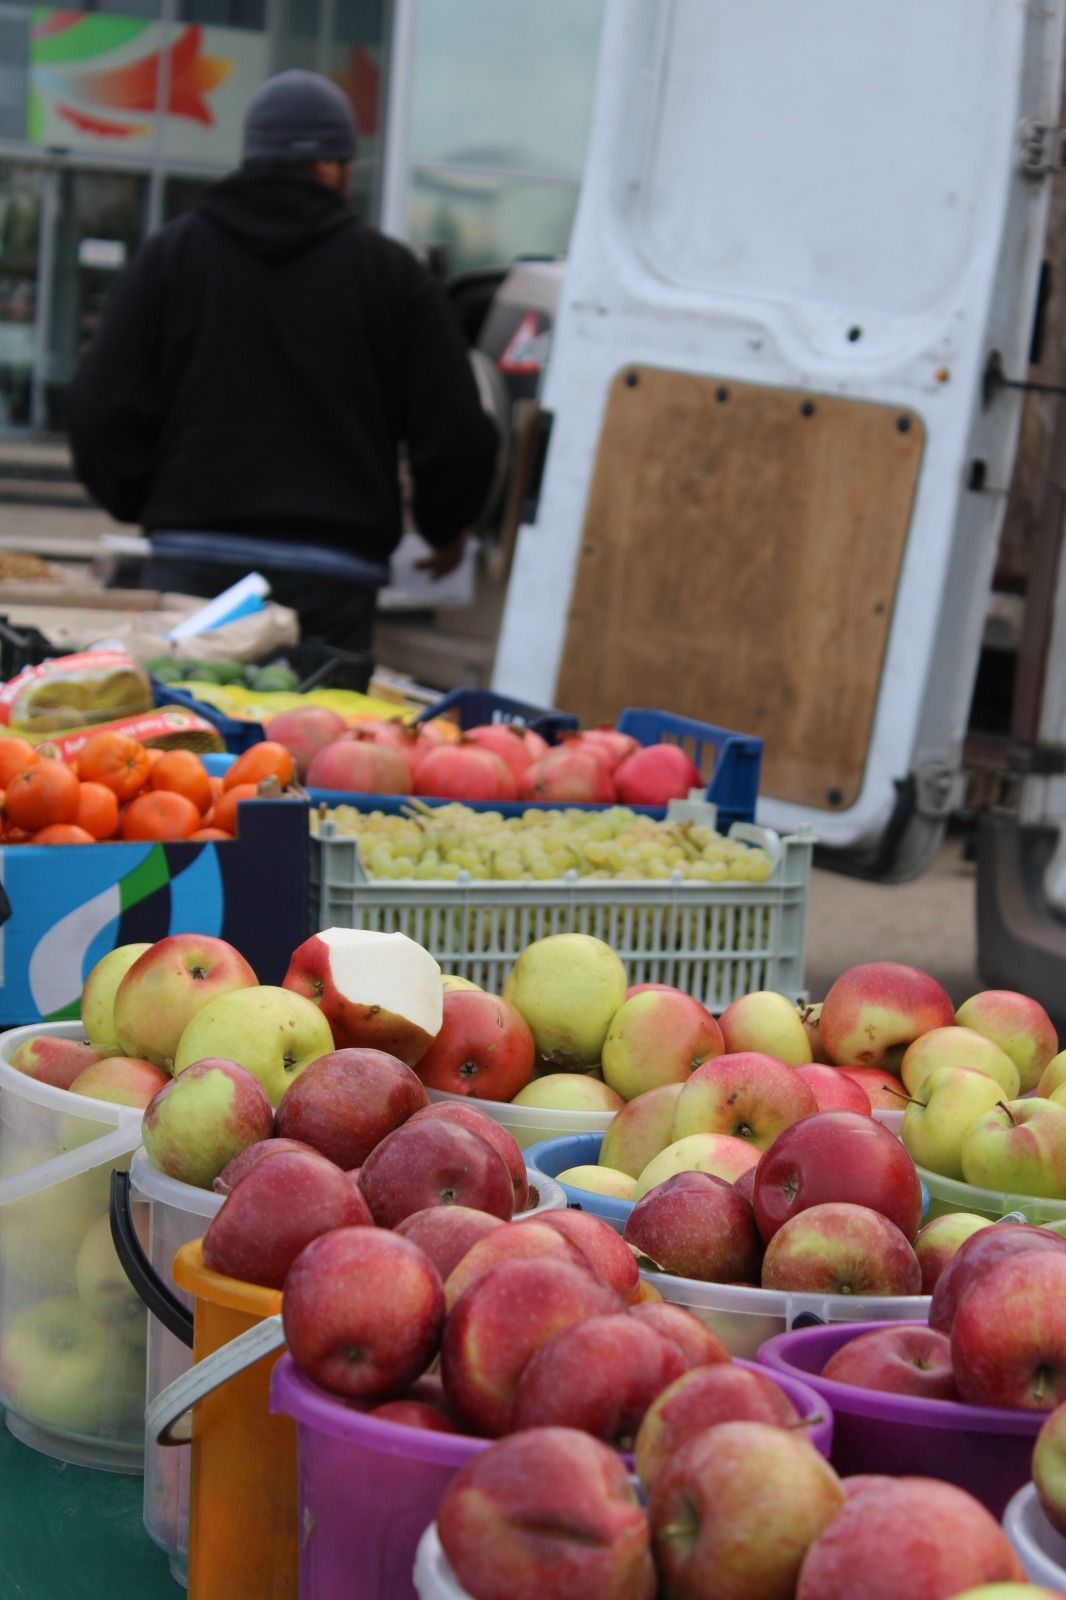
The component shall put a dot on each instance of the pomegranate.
(656, 774)
(508, 742)
(614, 745)
(305, 730)
(569, 773)
(359, 766)
(392, 735)
(464, 771)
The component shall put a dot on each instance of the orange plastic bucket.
(243, 1502)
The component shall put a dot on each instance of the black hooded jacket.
(258, 365)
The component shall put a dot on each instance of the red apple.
(736, 1508)
(903, 1359)
(883, 1089)
(484, 1048)
(975, 1256)
(837, 1156)
(499, 1323)
(697, 1226)
(199, 1121)
(702, 1399)
(165, 988)
(918, 1537)
(839, 1248)
(447, 1233)
(749, 1095)
(608, 1256)
(54, 1061)
(547, 1513)
(234, 1170)
(345, 1103)
(1008, 1338)
(414, 1414)
(699, 1344)
(532, 1241)
(274, 1213)
(501, 1139)
(381, 991)
(872, 1009)
(121, 1080)
(434, 1163)
(362, 1312)
(834, 1090)
(600, 1375)
(1018, 1025)
(745, 1184)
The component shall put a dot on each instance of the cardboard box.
(71, 904)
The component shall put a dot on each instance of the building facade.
(114, 117)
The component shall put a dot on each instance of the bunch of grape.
(442, 842)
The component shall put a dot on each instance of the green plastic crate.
(715, 941)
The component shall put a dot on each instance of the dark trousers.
(331, 610)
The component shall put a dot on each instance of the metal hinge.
(937, 787)
(1042, 148)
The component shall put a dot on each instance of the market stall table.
(67, 1533)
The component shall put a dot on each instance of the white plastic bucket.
(72, 1331)
(434, 1578)
(951, 1194)
(744, 1318)
(530, 1124)
(177, 1213)
(1042, 1550)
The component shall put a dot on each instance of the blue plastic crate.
(475, 707)
(239, 736)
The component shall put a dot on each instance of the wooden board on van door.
(739, 561)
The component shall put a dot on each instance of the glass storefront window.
(20, 222)
(224, 13)
(488, 221)
(503, 85)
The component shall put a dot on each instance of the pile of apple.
(496, 762)
(996, 1334)
(741, 1510)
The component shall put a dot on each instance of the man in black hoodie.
(260, 364)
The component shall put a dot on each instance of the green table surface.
(67, 1533)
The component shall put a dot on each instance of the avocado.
(166, 670)
(277, 678)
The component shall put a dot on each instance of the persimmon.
(159, 814)
(97, 810)
(182, 772)
(268, 759)
(216, 786)
(42, 794)
(62, 833)
(224, 810)
(15, 756)
(210, 833)
(115, 760)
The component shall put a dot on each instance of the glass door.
(20, 242)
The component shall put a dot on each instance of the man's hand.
(440, 562)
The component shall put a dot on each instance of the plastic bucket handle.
(204, 1377)
(71, 1164)
(164, 1306)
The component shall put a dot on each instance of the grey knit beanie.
(297, 117)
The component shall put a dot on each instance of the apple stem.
(1011, 1118)
(813, 1421)
(899, 1095)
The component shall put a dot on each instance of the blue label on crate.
(71, 904)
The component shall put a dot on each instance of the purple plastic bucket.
(369, 1489)
(983, 1449)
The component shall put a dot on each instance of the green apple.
(938, 1241)
(1019, 1025)
(98, 996)
(103, 1287)
(600, 1180)
(957, 1047)
(272, 1032)
(1018, 1148)
(569, 1091)
(1053, 1076)
(1010, 1591)
(640, 1130)
(768, 1022)
(721, 1154)
(168, 986)
(1049, 1468)
(205, 1117)
(55, 1361)
(568, 987)
(941, 1114)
